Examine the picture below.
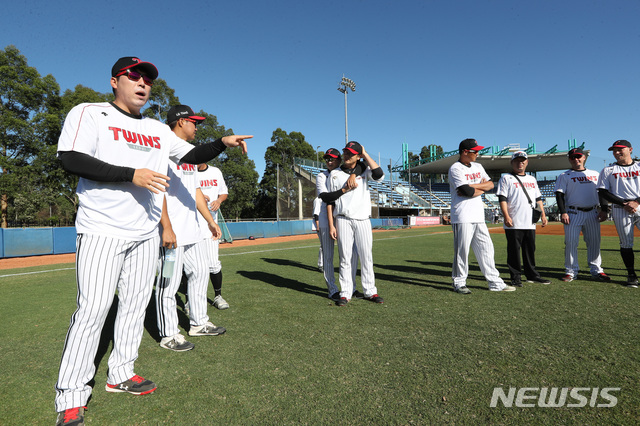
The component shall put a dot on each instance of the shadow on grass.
(289, 262)
(280, 281)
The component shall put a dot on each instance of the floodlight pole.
(344, 87)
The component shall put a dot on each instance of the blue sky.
(502, 72)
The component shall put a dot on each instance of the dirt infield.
(607, 230)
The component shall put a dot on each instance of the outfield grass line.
(36, 272)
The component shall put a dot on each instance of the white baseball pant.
(625, 223)
(355, 234)
(588, 224)
(212, 247)
(475, 236)
(192, 259)
(105, 265)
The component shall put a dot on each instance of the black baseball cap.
(353, 147)
(620, 144)
(182, 111)
(331, 152)
(470, 144)
(133, 62)
(574, 152)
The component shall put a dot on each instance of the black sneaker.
(71, 417)
(463, 290)
(375, 299)
(358, 295)
(136, 386)
(538, 280)
(516, 283)
(602, 277)
(632, 281)
(342, 301)
(335, 296)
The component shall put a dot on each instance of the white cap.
(519, 154)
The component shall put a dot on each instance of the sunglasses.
(330, 159)
(191, 120)
(135, 76)
(573, 157)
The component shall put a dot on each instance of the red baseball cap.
(470, 144)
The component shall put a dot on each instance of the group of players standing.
(126, 164)
(583, 197)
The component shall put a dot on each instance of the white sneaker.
(220, 303)
(176, 343)
(208, 329)
(509, 288)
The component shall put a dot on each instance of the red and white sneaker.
(135, 386)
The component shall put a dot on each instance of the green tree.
(285, 148)
(162, 98)
(26, 125)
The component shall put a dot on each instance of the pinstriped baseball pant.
(104, 265)
(191, 258)
(212, 249)
(475, 236)
(625, 223)
(588, 224)
(326, 248)
(352, 231)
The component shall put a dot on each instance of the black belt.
(583, 209)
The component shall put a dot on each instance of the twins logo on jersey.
(584, 179)
(145, 142)
(187, 169)
(626, 175)
(208, 182)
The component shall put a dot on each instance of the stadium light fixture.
(344, 87)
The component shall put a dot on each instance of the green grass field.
(426, 356)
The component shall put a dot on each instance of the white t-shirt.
(518, 206)
(354, 204)
(212, 185)
(623, 181)
(181, 203)
(466, 209)
(579, 188)
(119, 209)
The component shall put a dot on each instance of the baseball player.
(332, 158)
(619, 184)
(118, 155)
(467, 181)
(352, 214)
(578, 203)
(181, 232)
(518, 223)
(317, 209)
(215, 192)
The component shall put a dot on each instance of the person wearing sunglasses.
(468, 181)
(580, 211)
(121, 158)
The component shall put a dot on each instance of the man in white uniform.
(215, 192)
(518, 219)
(578, 204)
(118, 155)
(352, 214)
(181, 232)
(619, 184)
(468, 181)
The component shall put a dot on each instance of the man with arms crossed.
(118, 154)
(578, 203)
(468, 181)
(619, 184)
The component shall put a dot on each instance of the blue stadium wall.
(20, 242)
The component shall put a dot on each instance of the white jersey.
(623, 181)
(466, 209)
(212, 185)
(518, 206)
(579, 188)
(119, 209)
(321, 186)
(181, 203)
(354, 204)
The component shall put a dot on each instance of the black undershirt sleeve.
(502, 198)
(466, 190)
(203, 153)
(608, 196)
(377, 173)
(560, 200)
(330, 197)
(88, 167)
